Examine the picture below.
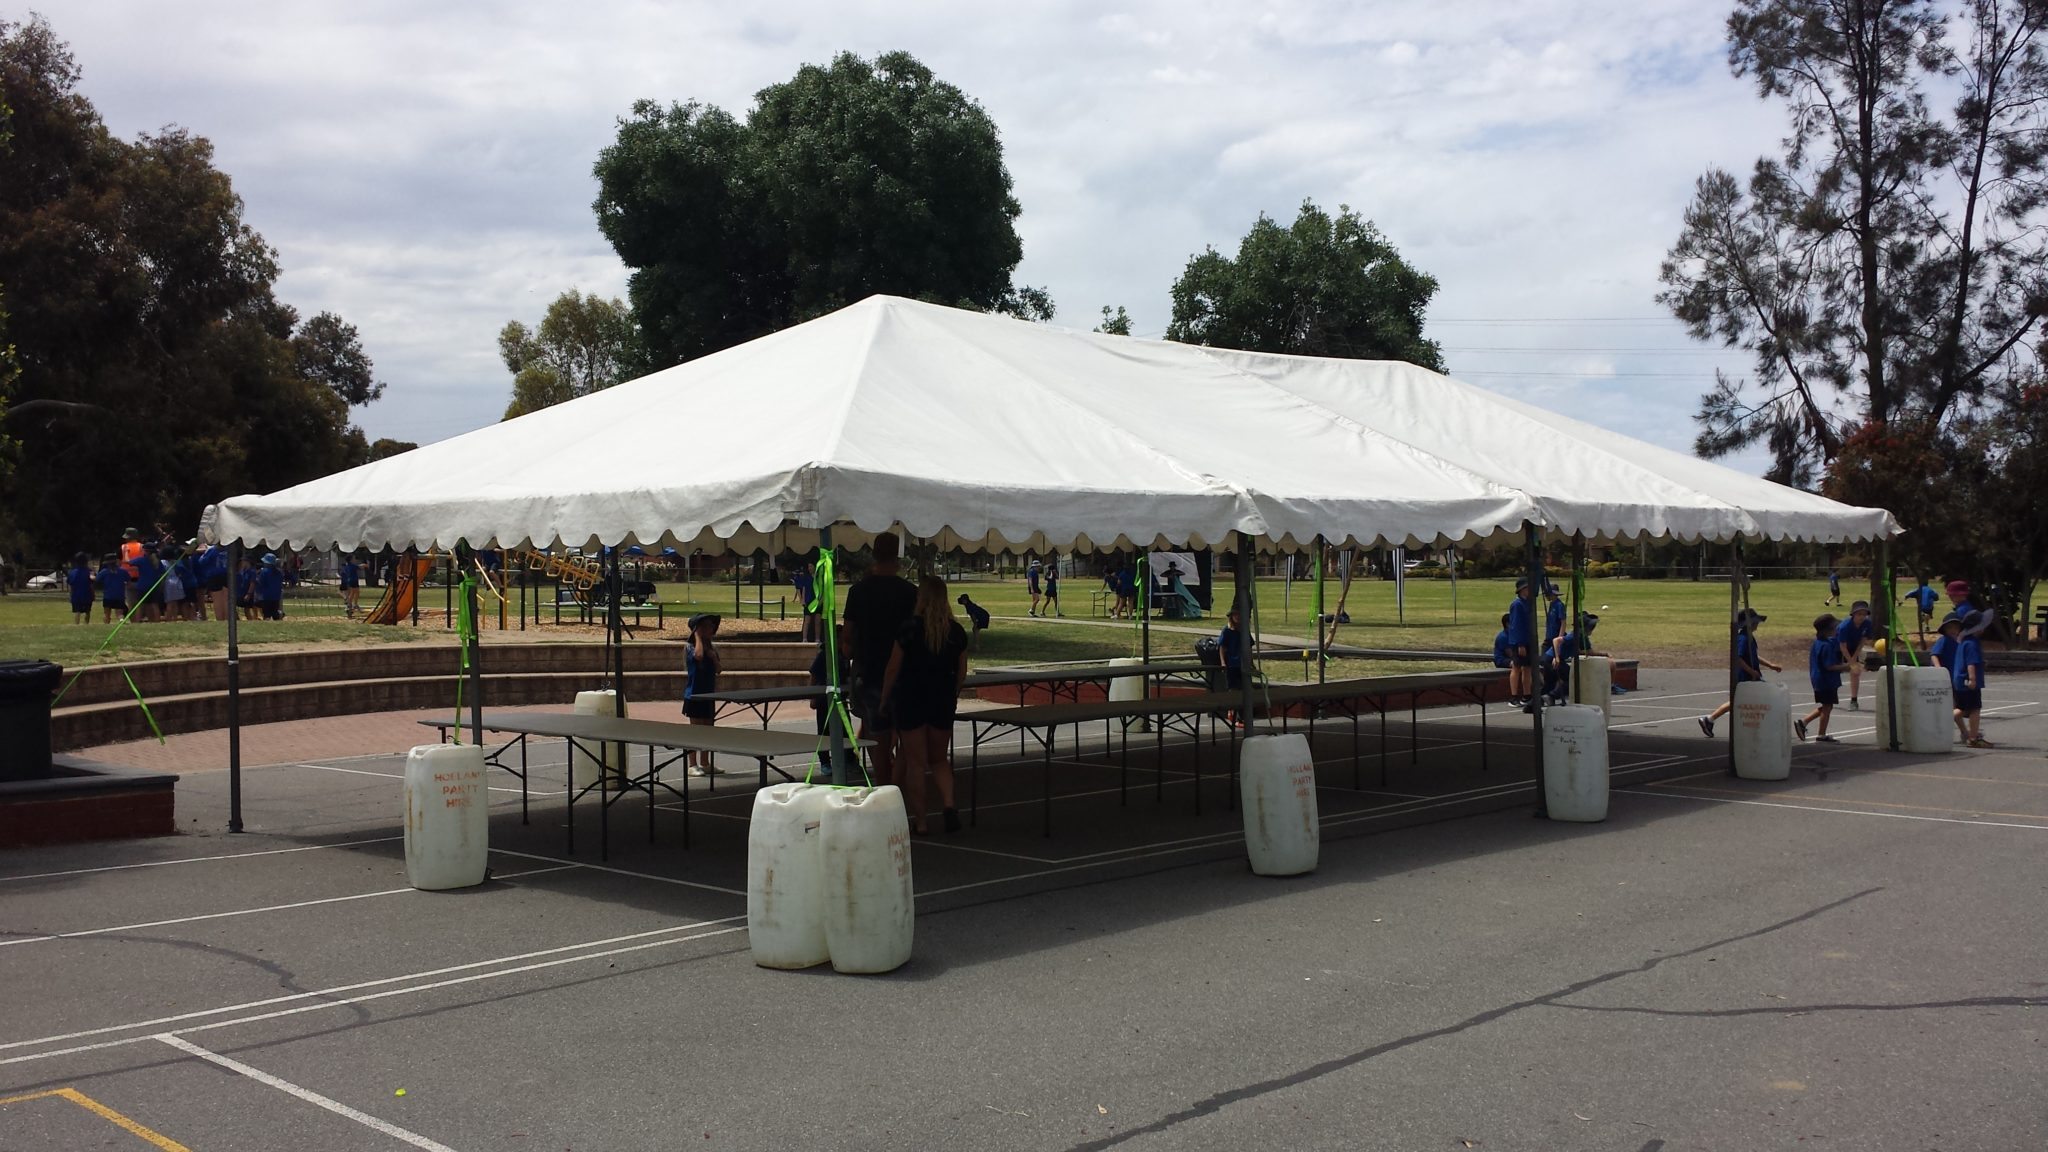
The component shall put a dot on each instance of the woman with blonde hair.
(922, 687)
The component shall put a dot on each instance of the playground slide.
(1190, 608)
(400, 594)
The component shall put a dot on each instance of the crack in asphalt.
(1211, 1105)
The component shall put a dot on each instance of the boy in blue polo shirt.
(1522, 644)
(1825, 663)
(1553, 616)
(113, 582)
(1503, 644)
(1923, 599)
(270, 588)
(1967, 677)
(1563, 651)
(79, 581)
(351, 586)
(1850, 635)
(1749, 663)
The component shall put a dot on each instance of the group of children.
(159, 580)
(1837, 648)
(1513, 648)
(1043, 582)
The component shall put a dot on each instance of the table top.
(1050, 715)
(655, 733)
(1092, 672)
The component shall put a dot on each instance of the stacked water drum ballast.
(828, 878)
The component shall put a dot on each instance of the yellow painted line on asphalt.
(100, 1110)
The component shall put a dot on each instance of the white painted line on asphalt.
(306, 1094)
(2043, 827)
(200, 1015)
(199, 859)
(252, 911)
(623, 872)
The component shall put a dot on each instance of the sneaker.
(952, 816)
(1980, 742)
(1799, 726)
(700, 771)
(1707, 726)
(1824, 738)
(1855, 705)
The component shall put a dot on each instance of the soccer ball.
(1879, 647)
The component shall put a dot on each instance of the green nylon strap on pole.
(824, 602)
(123, 623)
(1891, 612)
(465, 635)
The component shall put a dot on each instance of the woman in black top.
(922, 687)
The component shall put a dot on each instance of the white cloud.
(425, 169)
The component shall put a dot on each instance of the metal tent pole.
(1322, 657)
(1241, 580)
(835, 726)
(1533, 544)
(1736, 601)
(476, 676)
(615, 639)
(1891, 644)
(1145, 614)
(1572, 691)
(234, 689)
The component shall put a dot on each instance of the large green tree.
(1886, 270)
(583, 344)
(158, 372)
(1320, 287)
(856, 178)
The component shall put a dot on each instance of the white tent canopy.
(983, 432)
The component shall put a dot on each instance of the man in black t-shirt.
(876, 607)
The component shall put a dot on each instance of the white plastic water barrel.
(1595, 685)
(786, 876)
(1277, 786)
(1575, 763)
(1763, 731)
(447, 817)
(583, 767)
(867, 894)
(1125, 688)
(1926, 710)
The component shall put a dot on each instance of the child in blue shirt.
(113, 582)
(1825, 663)
(79, 581)
(1502, 643)
(977, 619)
(351, 586)
(270, 588)
(1563, 651)
(1749, 663)
(1521, 645)
(1923, 598)
(1850, 635)
(1966, 674)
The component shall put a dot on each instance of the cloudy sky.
(424, 169)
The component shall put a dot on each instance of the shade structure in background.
(984, 432)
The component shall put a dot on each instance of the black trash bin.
(26, 688)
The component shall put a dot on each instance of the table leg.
(569, 790)
(1482, 731)
(1383, 743)
(604, 809)
(1158, 763)
(1051, 733)
(1123, 764)
(1413, 744)
(522, 779)
(974, 767)
(650, 788)
(1197, 742)
(1356, 784)
(1230, 778)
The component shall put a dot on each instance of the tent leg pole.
(1533, 542)
(474, 642)
(234, 689)
(1322, 655)
(1735, 604)
(1891, 644)
(1572, 693)
(835, 727)
(1243, 581)
(615, 639)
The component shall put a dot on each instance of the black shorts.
(1828, 695)
(700, 709)
(909, 715)
(1521, 660)
(216, 584)
(1970, 699)
(81, 605)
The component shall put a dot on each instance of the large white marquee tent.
(984, 432)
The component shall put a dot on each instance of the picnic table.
(590, 734)
(1068, 680)
(1351, 697)
(760, 701)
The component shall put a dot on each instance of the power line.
(1615, 351)
(1597, 375)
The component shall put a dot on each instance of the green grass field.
(1664, 623)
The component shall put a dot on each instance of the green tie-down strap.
(120, 624)
(824, 603)
(1891, 615)
(465, 634)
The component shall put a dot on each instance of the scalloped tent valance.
(981, 432)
